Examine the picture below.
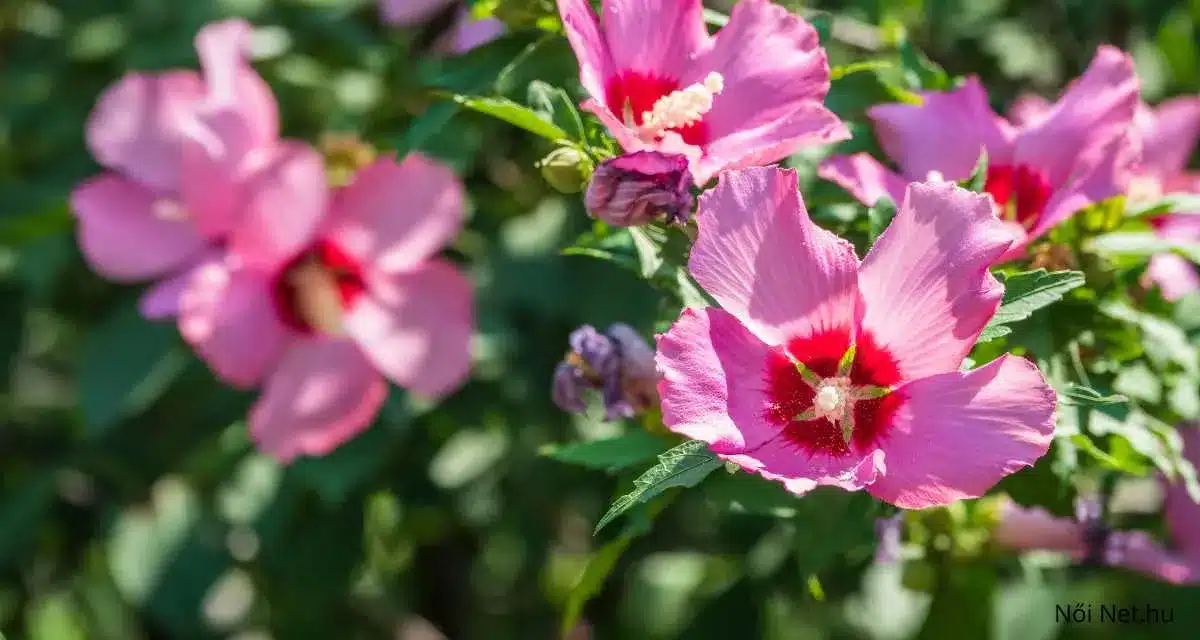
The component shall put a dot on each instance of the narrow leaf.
(514, 114)
(1082, 396)
(1029, 291)
(615, 453)
(683, 466)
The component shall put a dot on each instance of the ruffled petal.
(945, 134)
(927, 292)
(864, 177)
(138, 122)
(591, 49)
(238, 108)
(227, 314)
(129, 234)
(415, 327)
(1174, 275)
(955, 435)
(761, 256)
(712, 388)
(285, 205)
(776, 77)
(1171, 136)
(657, 37)
(323, 393)
(395, 215)
(1099, 106)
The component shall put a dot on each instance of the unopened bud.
(566, 169)
(635, 189)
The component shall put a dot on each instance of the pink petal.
(591, 49)
(1028, 108)
(227, 315)
(415, 327)
(284, 207)
(864, 177)
(957, 434)
(1175, 275)
(1099, 174)
(656, 37)
(1096, 108)
(323, 393)
(1143, 554)
(1172, 135)
(712, 370)
(945, 134)
(238, 105)
(926, 288)
(402, 13)
(137, 124)
(127, 233)
(161, 299)
(1180, 227)
(1182, 513)
(1034, 528)
(395, 215)
(767, 263)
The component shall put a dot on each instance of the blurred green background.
(132, 504)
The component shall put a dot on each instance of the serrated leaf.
(1081, 396)
(1142, 244)
(1027, 292)
(514, 114)
(609, 454)
(991, 332)
(684, 466)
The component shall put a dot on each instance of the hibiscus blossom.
(821, 370)
(137, 222)
(1087, 537)
(750, 95)
(322, 295)
(1039, 173)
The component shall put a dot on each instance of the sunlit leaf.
(683, 466)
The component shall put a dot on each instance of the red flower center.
(1021, 192)
(823, 408)
(632, 94)
(312, 292)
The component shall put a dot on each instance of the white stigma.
(935, 176)
(829, 399)
(169, 210)
(317, 298)
(683, 107)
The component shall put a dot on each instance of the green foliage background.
(133, 506)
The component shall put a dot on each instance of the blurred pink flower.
(1040, 171)
(322, 295)
(1086, 537)
(821, 370)
(137, 221)
(466, 34)
(750, 95)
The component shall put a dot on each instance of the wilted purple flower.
(633, 189)
(617, 362)
(890, 533)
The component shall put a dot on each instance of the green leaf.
(25, 507)
(715, 18)
(1163, 339)
(1027, 292)
(1081, 396)
(1171, 203)
(683, 466)
(742, 492)
(1139, 381)
(880, 216)
(843, 70)
(922, 73)
(599, 566)
(514, 114)
(127, 363)
(650, 256)
(609, 454)
(978, 178)
(56, 617)
(690, 293)
(1142, 244)
(554, 105)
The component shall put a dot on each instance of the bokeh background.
(132, 504)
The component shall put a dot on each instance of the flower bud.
(565, 169)
(634, 189)
(618, 363)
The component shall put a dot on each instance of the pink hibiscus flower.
(466, 34)
(1086, 537)
(1039, 173)
(137, 221)
(750, 95)
(821, 370)
(322, 295)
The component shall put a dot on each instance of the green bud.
(566, 169)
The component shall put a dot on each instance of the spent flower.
(617, 362)
(640, 187)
